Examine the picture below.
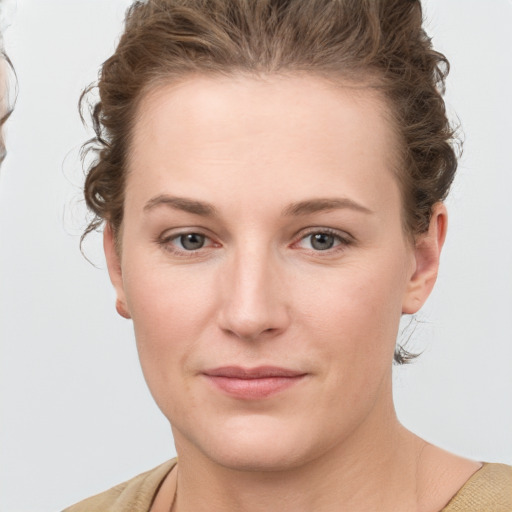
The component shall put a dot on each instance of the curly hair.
(378, 43)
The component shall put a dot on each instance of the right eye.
(186, 243)
(189, 241)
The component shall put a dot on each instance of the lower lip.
(253, 389)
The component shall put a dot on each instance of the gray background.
(75, 413)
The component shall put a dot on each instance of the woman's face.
(264, 264)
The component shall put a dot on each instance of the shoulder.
(489, 489)
(135, 495)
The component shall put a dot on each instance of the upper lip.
(260, 372)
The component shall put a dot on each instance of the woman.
(5, 65)
(3, 109)
(271, 176)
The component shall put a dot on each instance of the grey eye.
(192, 241)
(322, 241)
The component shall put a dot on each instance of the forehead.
(254, 130)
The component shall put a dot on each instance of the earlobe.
(427, 253)
(121, 309)
(114, 270)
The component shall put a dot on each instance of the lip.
(253, 383)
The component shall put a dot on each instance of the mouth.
(253, 383)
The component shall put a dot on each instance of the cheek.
(353, 318)
(171, 309)
(361, 296)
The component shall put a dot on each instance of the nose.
(254, 299)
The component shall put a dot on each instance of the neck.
(374, 468)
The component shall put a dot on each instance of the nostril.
(251, 333)
(251, 304)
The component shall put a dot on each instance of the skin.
(258, 166)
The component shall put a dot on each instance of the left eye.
(320, 241)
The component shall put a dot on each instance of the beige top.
(488, 490)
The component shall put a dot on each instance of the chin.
(255, 443)
(257, 457)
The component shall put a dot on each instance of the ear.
(114, 270)
(427, 252)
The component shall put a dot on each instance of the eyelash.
(166, 243)
(342, 241)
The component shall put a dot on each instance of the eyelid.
(168, 236)
(343, 237)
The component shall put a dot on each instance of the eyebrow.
(306, 207)
(320, 205)
(183, 204)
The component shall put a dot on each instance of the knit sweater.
(488, 490)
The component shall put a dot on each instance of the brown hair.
(380, 43)
(4, 100)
